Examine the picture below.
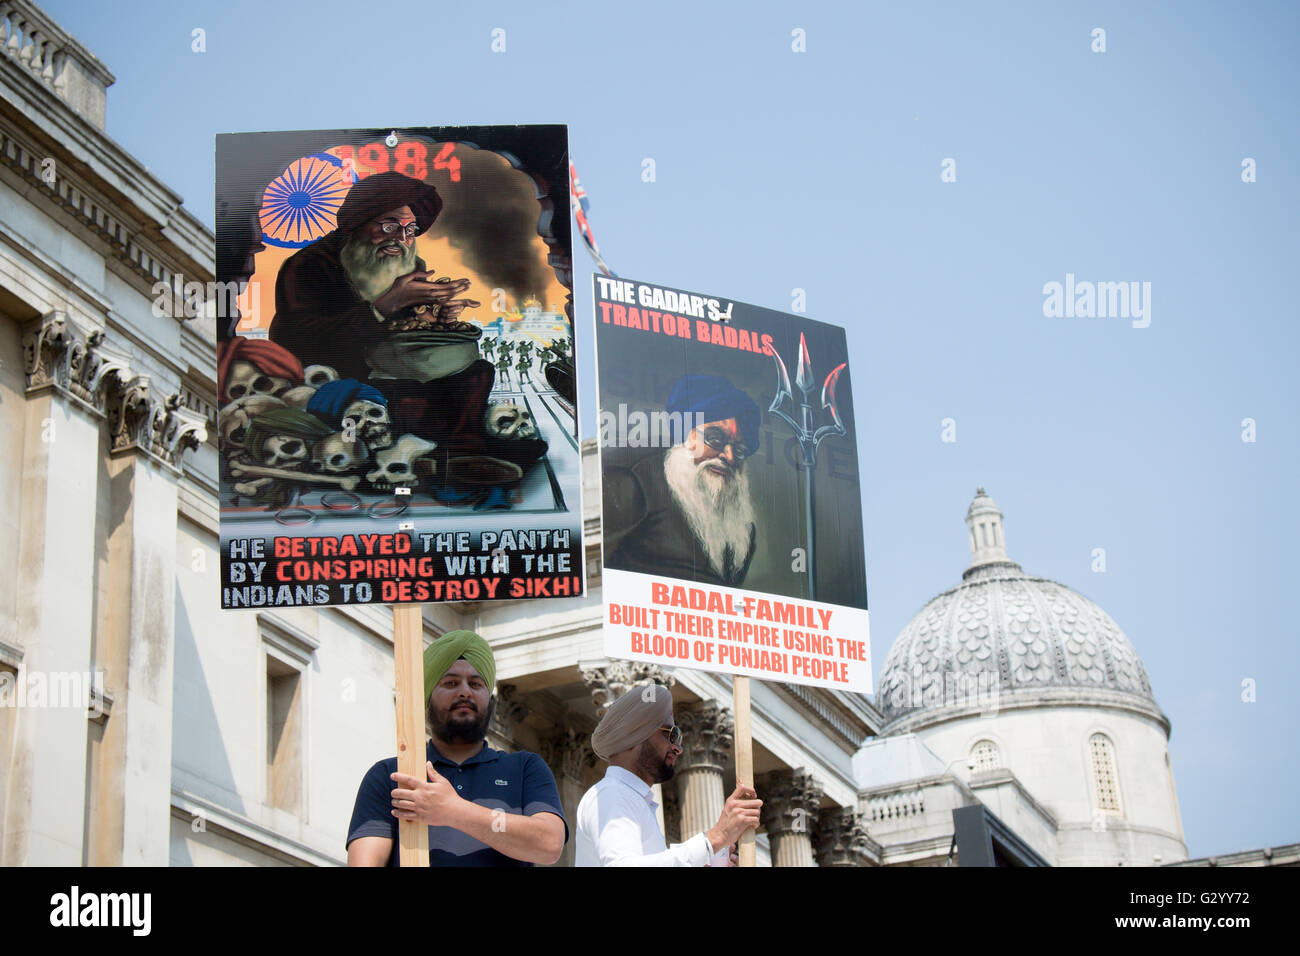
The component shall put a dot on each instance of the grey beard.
(719, 511)
(370, 273)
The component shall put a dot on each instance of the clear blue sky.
(821, 171)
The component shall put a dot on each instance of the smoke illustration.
(491, 218)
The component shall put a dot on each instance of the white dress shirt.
(617, 826)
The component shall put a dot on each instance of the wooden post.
(408, 661)
(744, 757)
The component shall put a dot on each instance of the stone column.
(707, 730)
(672, 811)
(135, 642)
(569, 755)
(791, 805)
(841, 839)
(45, 813)
(104, 797)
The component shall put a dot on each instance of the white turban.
(631, 719)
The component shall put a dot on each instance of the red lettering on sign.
(445, 160)
(409, 160)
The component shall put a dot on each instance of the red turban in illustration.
(272, 359)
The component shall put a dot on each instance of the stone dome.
(1003, 639)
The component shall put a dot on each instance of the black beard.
(461, 730)
(654, 766)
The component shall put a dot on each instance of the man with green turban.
(484, 807)
(439, 656)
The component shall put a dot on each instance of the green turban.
(293, 422)
(446, 650)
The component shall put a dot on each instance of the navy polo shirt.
(516, 783)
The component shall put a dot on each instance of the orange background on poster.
(257, 303)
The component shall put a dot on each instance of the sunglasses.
(718, 440)
(673, 734)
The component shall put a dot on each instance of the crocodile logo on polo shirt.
(502, 783)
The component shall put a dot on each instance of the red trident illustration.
(808, 436)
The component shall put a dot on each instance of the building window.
(283, 736)
(1105, 777)
(985, 756)
(289, 653)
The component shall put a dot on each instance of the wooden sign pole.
(744, 757)
(408, 662)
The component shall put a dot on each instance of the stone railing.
(39, 46)
(895, 805)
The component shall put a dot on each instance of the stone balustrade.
(54, 59)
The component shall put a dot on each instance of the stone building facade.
(210, 737)
(141, 724)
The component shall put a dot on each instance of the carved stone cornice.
(822, 705)
(118, 240)
(59, 357)
(182, 430)
(164, 430)
(203, 404)
(707, 735)
(45, 351)
(609, 680)
(841, 839)
(791, 802)
(131, 415)
(569, 753)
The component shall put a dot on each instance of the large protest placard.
(396, 389)
(731, 511)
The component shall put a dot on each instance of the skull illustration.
(314, 376)
(234, 418)
(245, 378)
(298, 397)
(509, 420)
(398, 465)
(318, 375)
(369, 423)
(284, 451)
(334, 455)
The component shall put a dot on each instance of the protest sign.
(731, 518)
(731, 511)
(396, 388)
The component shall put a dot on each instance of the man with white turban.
(616, 818)
(484, 807)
